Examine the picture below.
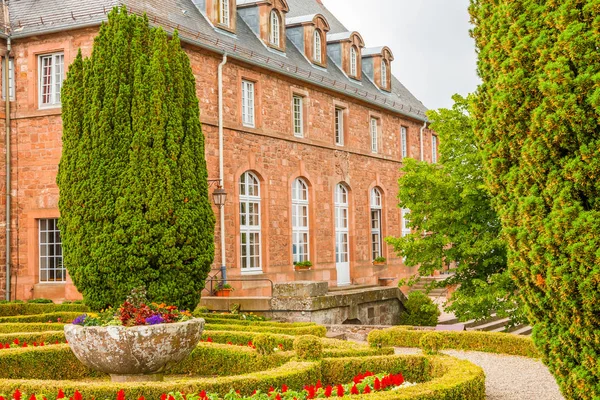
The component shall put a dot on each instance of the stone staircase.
(493, 324)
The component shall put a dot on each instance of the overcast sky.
(434, 56)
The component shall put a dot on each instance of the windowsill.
(51, 107)
(253, 273)
(52, 283)
(249, 126)
(299, 136)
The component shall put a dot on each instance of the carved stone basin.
(134, 354)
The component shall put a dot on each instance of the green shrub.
(265, 343)
(431, 343)
(30, 327)
(134, 202)
(420, 310)
(47, 337)
(243, 338)
(308, 347)
(17, 309)
(490, 342)
(63, 317)
(40, 301)
(317, 330)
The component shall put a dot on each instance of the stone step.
(489, 326)
(448, 320)
(524, 330)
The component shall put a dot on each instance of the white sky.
(434, 56)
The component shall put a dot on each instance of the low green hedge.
(30, 327)
(31, 337)
(12, 309)
(238, 337)
(316, 330)
(65, 316)
(231, 321)
(491, 342)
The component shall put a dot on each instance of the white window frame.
(298, 115)
(54, 81)
(11, 78)
(275, 29)
(317, 43)
(353, 61)
(374, 135)
(248, 103)
(405, 229)
(224, 14)
(376, 220)
(342, 224)
(384, 74)
(404, 141)
(250, 211)
(50, 252)
(300, 221)
(434, 145)
(339, 126)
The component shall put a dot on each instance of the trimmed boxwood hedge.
(230, 321)
(30, 327)
(54, 316)
(13, 309)
(490, 342)
(316, 330)
(31, 337)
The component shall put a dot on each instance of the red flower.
(41, 344)
(163, 397)
(24, 344)
(120, 395)
(16, 341)
(280, 346)
(77, 395)
(171, 397)
(34, 344)
(328, 391)
(17, 395)
(284, 388)
(229, 343)
(250, 344)
(32, 397)
(141, 398)
(354, 390)
(278, 397)
(367, 389)
(238, 391)
(340, 391)
(253, 392)
(377, 384)
(61, 394)
(2, 398)
(203, 394)
(271, 388)
(209, 340)
(318, 385)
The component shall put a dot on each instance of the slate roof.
(30, 17)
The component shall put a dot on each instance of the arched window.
(224, 12)
(376, 206)
(384, 74)
(250, 227)
(318, 55)
(405, 227)
(342, 235)
(274, 36)
(300, 221)
(353, 61)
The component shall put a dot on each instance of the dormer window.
(275, 29)
(224, 14)
(377, 65)
(353, 61)
(317, 46)
(384, 74)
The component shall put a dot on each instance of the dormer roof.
(308, 19)
(345, 36)
(243, 3)
(383, 51)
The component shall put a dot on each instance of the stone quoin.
(315, 128)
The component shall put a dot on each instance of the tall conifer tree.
(133, 182)
(538, 119)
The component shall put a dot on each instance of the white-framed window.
(11, 78)
(51, 76)
(353, 61)
(342, 225)
(405, 228)
(250, 226)
(374, 135)
(52, 269)
(298, 105)
(404, 141)
(300, 221)
(339, 126)
(376, 208)
(248, 103)
(274, 29)
(384, 74)
(434, 150)
(318, 53)
(224, 15)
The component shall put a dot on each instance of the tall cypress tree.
(537, 114)
(133, 181)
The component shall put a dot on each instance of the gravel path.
(508, 377)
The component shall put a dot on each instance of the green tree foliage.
(537, 117)
(450, 202)
(420, 311)
(133, 182)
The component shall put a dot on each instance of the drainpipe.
(8, 161)
(221, 173)
(421, 139)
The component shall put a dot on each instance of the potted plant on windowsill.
(224, 290)
(302, 266)
(379, 261)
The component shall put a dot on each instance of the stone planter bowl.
(134, 354)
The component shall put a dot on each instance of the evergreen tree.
(537, 114)
(133, 181)
(449, 201)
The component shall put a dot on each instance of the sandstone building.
(315, 128)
